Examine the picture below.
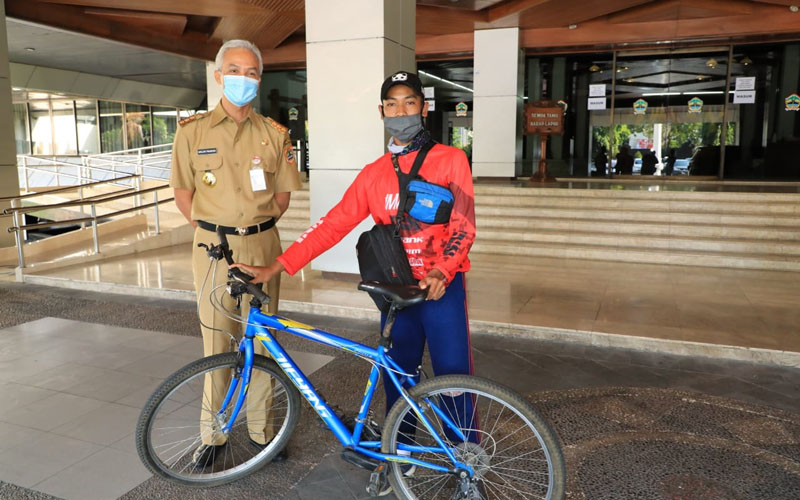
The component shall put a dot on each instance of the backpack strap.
(404, 179)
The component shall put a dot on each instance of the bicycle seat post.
(386, 334)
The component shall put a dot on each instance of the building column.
(347, 61)
(9, 178)
(213, 89)
(497, 117)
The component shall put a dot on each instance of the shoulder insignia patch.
(190, 119)
(277, 126)
(288, 153)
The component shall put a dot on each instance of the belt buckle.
(241, 231)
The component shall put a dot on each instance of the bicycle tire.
(159, 399)
(478, 455)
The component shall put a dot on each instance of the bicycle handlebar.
(242, 277)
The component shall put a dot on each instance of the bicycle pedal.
(378, 481)
(359, 460)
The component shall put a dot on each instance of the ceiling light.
(573, 26)
(647, 94)
(746, 61)
(701, 77)
(629, 80)
(794, 8)
(594, 68)
(445, 81)
(711, 63)
(30, 49)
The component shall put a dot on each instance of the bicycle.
(452, 436)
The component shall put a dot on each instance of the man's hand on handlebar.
(260, 274)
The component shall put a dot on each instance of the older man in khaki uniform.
(233, 169)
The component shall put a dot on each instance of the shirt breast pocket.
(208, 171)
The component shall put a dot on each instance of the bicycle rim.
(512, 451)
(179, 419)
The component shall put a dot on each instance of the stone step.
(788, 233)
(666, 243)
(627, 254)
(690, 193)
(642, 216)
(642, 205)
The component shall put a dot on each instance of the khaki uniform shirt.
(213, 156)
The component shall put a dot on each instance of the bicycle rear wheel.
(177, 420)
(513, 451)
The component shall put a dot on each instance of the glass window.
(110, 126)
(138, 126)
(165, 123)
(21, 132)
(41, 128)
(87, 127)
(64, 138)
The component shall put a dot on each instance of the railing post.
(18, 237)
(81, 174)
(94, 230)
(25, 173)
(139, 172)
(155, 207)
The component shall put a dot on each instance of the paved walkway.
(75, 368)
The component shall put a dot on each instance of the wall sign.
(746, 83)
(461, 109)
(597, 90)
(640, 107)
(596, 103)
(744, 96)
(544, 117)
(793, 102)
(695, 105)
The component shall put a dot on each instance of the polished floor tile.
(748, 308)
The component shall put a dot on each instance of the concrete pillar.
(351, 46)
(9, 179)
(558, 166)
(497, 117)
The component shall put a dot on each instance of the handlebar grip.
(226, 250)
(252, 288)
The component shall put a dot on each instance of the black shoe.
(204, 456)
(277, 459)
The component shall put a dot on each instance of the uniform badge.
(264, 142)
(256, 160)
(288, 152)
(209, 179)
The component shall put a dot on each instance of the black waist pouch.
(381, 257)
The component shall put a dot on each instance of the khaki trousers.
(258, 249)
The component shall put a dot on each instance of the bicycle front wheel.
(179, 435)
(511, 449)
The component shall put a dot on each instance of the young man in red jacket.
(437, 253)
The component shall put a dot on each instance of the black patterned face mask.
(417, 142)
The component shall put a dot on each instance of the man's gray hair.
(239, 44)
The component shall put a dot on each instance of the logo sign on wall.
(793, 102)
(640, 107)
(293, 113)
(461, 109)
(695, 105)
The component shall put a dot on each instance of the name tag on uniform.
(257, 180)
(207, 151)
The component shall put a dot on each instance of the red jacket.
(375, 192)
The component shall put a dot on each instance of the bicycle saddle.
(400, 295)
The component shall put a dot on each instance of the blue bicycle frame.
(257, 324)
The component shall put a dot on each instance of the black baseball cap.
(410, 80)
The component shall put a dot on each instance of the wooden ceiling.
(196, 28)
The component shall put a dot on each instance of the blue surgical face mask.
(239, 89)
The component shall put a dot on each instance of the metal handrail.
(85, 201)
(123, 151)
(66, 188)
(76, 220)
(20, 229)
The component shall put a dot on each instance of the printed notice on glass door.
(746, 83)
